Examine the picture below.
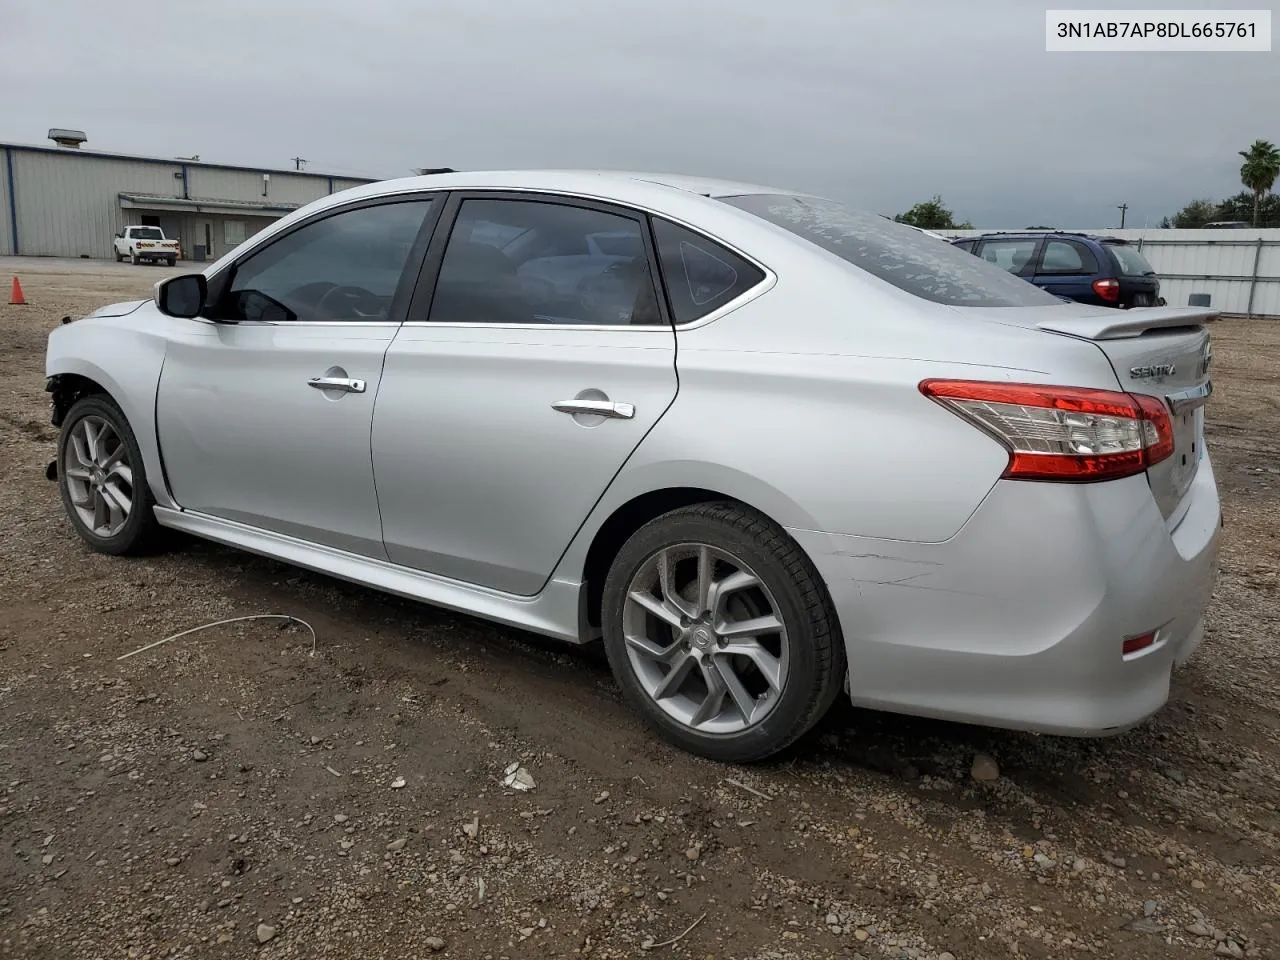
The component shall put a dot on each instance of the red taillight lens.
(1062, 433)
(1108, 289)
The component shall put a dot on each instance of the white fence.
(1238, 269)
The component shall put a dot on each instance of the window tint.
(895, 253)
(1132, 263)
(1067, 256)
(146, 233)
(528, 261)
(966, 245)
(702, 276)
(342, 268)
(1011, 255)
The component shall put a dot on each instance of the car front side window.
(340, 268)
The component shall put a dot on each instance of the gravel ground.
(231, 795)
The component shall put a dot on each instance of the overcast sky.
(879, 104)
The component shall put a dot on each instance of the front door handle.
(345, 384)
(598, 408)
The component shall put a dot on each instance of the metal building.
(64, 201)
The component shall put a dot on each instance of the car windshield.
(147, 233)
(903, 256)
(1132, 263)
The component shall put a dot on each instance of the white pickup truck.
(139, 244)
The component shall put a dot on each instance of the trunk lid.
(1162, 352)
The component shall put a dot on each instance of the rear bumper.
(1018, 620)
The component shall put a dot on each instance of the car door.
(1067, 269)
(1016, 254)
(265, 404)
(536, 357)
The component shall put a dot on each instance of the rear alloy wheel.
(719, 629)
(100, 475)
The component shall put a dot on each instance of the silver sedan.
(767, 447)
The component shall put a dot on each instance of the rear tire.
(171, 261)
(103, 481)
(689, 609)
(133, 257)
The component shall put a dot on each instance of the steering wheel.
(343, 302)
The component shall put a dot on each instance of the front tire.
(721, 632)
(102, 479)
(118, 255)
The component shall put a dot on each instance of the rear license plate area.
(1142, 299)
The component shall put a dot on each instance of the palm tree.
(1259, 171)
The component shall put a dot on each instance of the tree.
(931, 215)
(1196, 214)
(1240, 207)
(1259, 171)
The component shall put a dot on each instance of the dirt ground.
(229, 787)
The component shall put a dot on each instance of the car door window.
(342, 268)
(1067, 256)
(701, 275)
(544, 262)
(1013, 255)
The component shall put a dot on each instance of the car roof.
(573, 180)
(1017, 234)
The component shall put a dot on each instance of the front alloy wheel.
(101, 477)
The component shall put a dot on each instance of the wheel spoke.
(91, 434)
(80, 449)
(114, 459)
(711, 706)
(647, 647)
(720, 589)
(121, 471)
(667, 584)
(105, 433)
(705, 568)
(742, 699)
(659, 608)
(116, 500)
(675, 678)
(100, 512)
(770, 667)
(81, 498)
(76, 473)
(755, 627)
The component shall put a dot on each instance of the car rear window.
(1132, 263)
(147, 233)
(908, 259)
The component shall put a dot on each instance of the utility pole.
(1122, 208)
(298, 163)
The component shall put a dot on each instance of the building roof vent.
(71, 139)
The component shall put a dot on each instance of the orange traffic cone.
(15, 294)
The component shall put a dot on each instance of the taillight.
(1107, 289)
(1071, 434)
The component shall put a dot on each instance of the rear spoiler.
(1122, 324)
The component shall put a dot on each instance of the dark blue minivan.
(1105, 271)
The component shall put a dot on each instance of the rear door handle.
(599, 408)
(345, 384)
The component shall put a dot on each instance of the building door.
(202, 241)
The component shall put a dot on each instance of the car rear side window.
(1012, 255)
(1067, 256)
(702, 275)
(1132, 263)
(895, 253)
(544, 262)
